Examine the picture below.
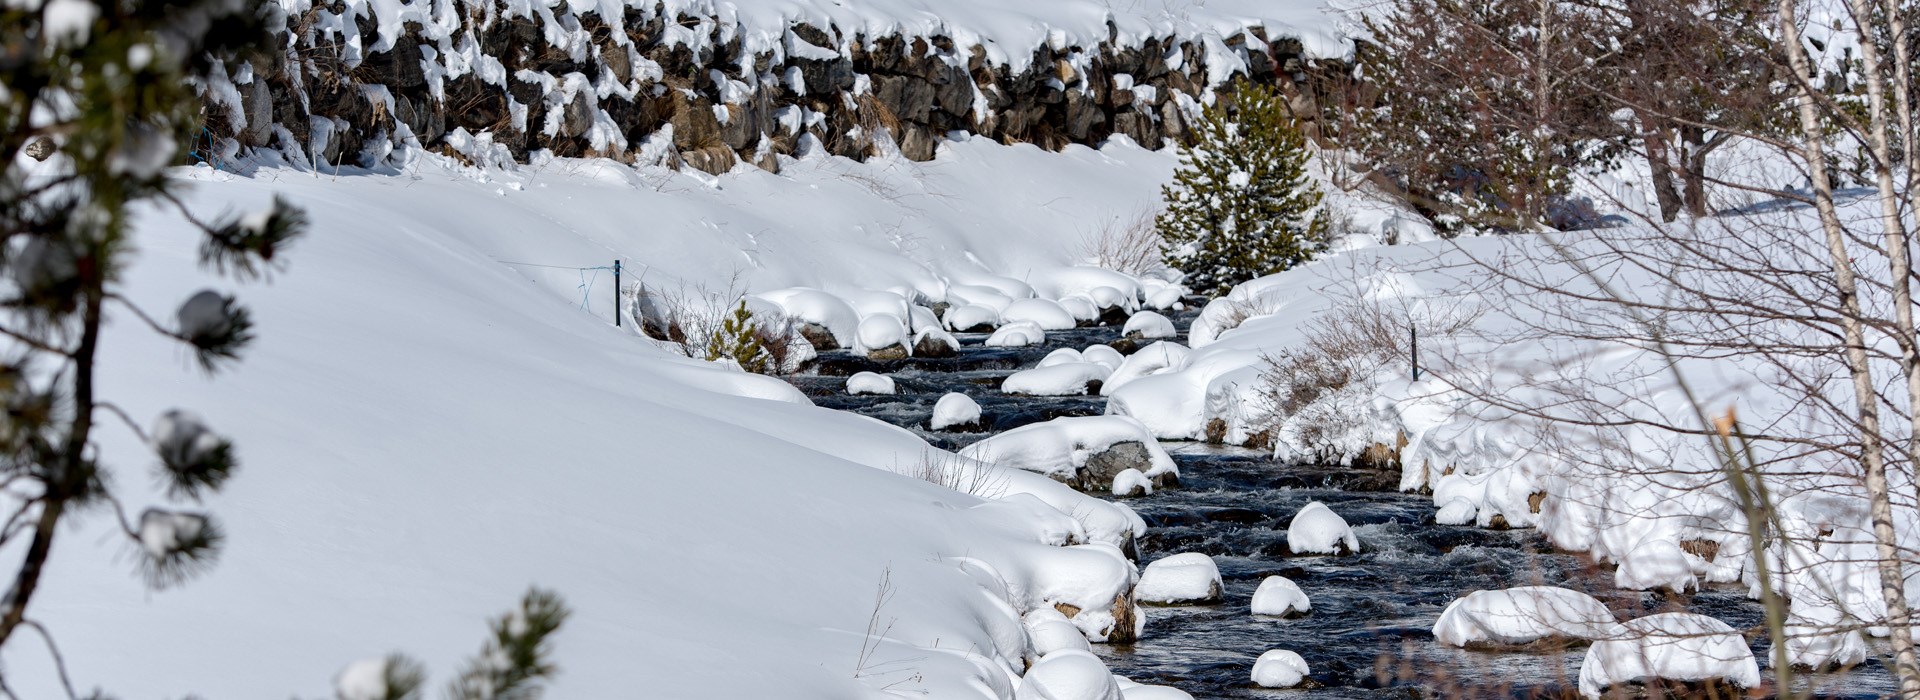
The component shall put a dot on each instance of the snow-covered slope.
(426, 431)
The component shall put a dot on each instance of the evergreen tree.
(511, 665)
(96, 102)
(1241, 205)
(739, 340)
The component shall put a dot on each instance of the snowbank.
(1281, 597)
(1316, 529)
(1669, 646)
(1180, 579)
(1524, 615)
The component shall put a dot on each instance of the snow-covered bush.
(738, 339)
(1242, 204)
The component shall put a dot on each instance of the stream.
(1369, 634)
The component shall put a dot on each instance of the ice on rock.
(971, 318)
(1017, 335)
(1049, 631)
(879, 332)
(1148, 325)
(1279, 668)
(1279, 596)
(1523, 615)
(1061, 357)
(1671, 646)
(1046, 314)
(870, 383)
(1070, 379)
(954, 409)
(1180, 579)
(1316, 529)
(1131, 482)
(1103, 355)
(1068, 674)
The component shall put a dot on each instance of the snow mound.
(1669, 646)
(1523, 615)
(1017, 335)
(870, 383)
(1279, 668)
(1316, 529)
(954, 409)
(1066, 447)
(930, 341)
(1080, 307)
(818, 308)
(1103, 355)
(1045, 313)
(1062, 356)
(1130, 482)
(880, 331)
(1161, 295)
(1180, 579)
(1149, 326)
(1136, 691)
(1281, 597)
(971, 317)
(1148, 361)
(1070, 379)
(1049, 631)
(1068, 674)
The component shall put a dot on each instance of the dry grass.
(1129, 244)
(960, 474)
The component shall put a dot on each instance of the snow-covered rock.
(1137, 691)
(1063, 356)
(971, 318)
(1084, 451)
(1080, 307)
(870, 383)
(1070, 379)
(1045, 313)
(821, 310)
(931, 342)
(1068, 674)
(981, 295)
(1281, 597)
(1316, 529)
(1161, 295)
(1180, 579)
(1049, 631)
(1279, 668)
(1131, 482)
(882, 337)
(1150, 360)
(1147, 325)
(954, 410)
(1103, 355)
(1523, 615)
(1669, 646)
(1016, 335)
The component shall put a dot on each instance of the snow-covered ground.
(430, 423)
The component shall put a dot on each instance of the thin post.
(616, 292)
(1413, 334)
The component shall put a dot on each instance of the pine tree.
(98, 101)
(511, 665)
(1241, 205)
(739, 340)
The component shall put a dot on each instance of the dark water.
(1369, 634)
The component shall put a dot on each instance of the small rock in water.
(1316, 529)
(1181, 579)
(1281, 597)
(870, 383)
(955, 410)
(1279, 668)
(934, 343)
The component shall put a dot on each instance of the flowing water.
(1369, 634)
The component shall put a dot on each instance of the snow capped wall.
(713, 84)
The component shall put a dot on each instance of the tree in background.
(510, 666)
(1241, 204)
(96, 101)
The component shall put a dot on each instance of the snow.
(1131, 482)
(932, 335)
(970, 316)
(1069, 379)
(1150, 326)
(1062, 446)
(870, 383)
(1068, 674)
(163, 533)
(1045, 313)
(954, 409)
(1517, 616)
(1016, 335)
(1150, 360)
(880, 331)
(1180, 579)
(1671, 646)
(1049, 631)
(420, 423)
(1279, 668)
(1103, 355)
(1136, 691)
(1280, 596)
(365, 679)
(1316, 529)
(818, 308)
(1061, 357)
